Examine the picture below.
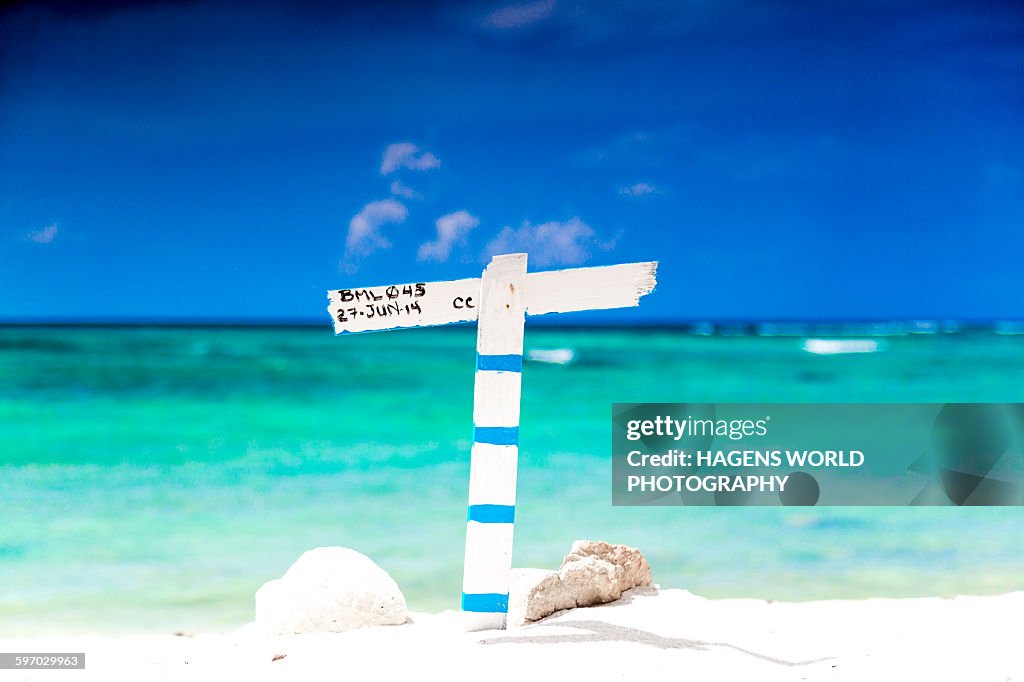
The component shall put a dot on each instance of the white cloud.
(518, 16)
(45, 235)
(401, 190)
(364, 235)
(407, 155)
(551, 243)
(639, 189)
(451, 229)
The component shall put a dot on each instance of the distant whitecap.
(552, 356)
(840, 346)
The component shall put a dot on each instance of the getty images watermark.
(745, 454)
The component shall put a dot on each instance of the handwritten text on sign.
(418, 304)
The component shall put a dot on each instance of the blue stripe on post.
(492, 513)
(500, 363)
(485, 603)
(496, 435)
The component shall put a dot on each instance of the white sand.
(667, 635)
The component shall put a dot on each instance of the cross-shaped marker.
(499, 300)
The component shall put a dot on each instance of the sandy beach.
(668, 633)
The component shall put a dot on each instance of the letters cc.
(460, 302)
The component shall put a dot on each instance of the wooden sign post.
(499, 301)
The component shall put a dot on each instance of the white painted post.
(499, 300)
(493, 461)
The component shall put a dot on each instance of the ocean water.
(151, 479)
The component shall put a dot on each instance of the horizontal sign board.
(426, 304)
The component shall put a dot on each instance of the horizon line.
(939, 323)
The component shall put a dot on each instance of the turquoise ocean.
(151, 479)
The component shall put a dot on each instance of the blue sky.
(781, 159)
